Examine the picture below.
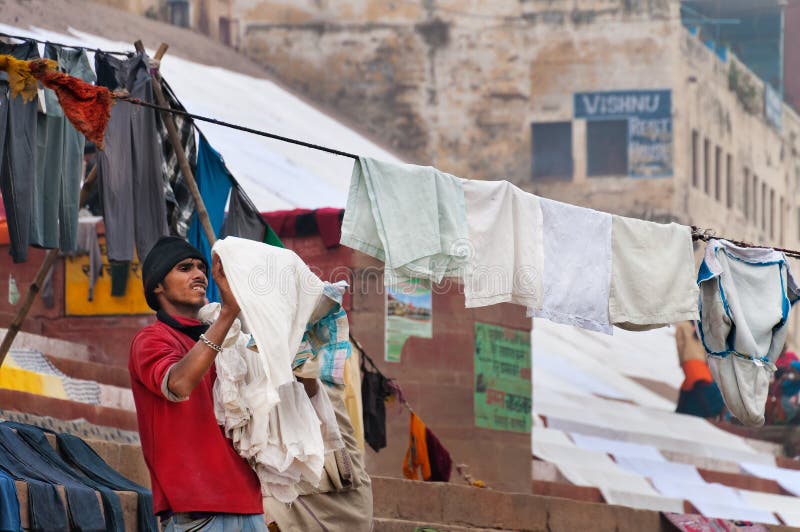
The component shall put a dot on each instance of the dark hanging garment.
(243, 220)
(374, 391)
(18, 126)
(79, 455)
(10, 520)
(84, 509)
(130, 167)
(306, 224)
(112, 507)
(180, 203)
(60, 161)
(329, 224)
(438, 458)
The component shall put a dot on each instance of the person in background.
(699, 394)
(783, 403)
(90, 190)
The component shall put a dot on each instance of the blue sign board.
(649, 117)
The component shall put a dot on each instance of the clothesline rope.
(697, 233)
(705, 235)
(137, 101)
(73, 46)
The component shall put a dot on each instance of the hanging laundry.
(425, 456)
(89, 245)
(59, 167)
(285, 222)
(214, 183)
(20, 79)
(438, 457)
(243, 220)
(268, 281)
(18, 124)
(129, 168)
(329, 225)
(180, 202)
(506, 250)
(410, 217)
(652, 274)
(416, 461)
(86, 106)
(745, 297)
(79, 455)
(374, 392)
(9, 505)
(352, 396)
(13, 290)
(577, 266)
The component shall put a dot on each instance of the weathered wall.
(456, 83)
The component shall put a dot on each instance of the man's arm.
(191, 369)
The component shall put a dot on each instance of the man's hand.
(229, 302)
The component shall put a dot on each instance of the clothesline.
(707, 234)
(137, 101)
(73, 46)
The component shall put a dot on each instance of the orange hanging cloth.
(20, 79)
(87, 106)
(417, 453)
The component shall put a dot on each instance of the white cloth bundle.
(652, 274)
(746, 294)
(506, 257)
(264, 410)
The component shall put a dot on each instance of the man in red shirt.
(199, 482)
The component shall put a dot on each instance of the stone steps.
(381, 524)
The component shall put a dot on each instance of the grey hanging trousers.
(130, 166)
(54, 223)
(17, 155)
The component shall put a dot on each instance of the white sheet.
(658, 470)
(787, 508)
(788, 479)
(642, 501)
(505, 246)
(617, 448)
(576, 289)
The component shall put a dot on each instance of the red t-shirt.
(193, 466)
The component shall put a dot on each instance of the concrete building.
(613, 104)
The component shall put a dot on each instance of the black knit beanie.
(167, 252)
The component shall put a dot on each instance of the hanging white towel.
(652, 274)
(411, 217)
(506, 253)
(277, 293)
(746, 294)
(577, 266)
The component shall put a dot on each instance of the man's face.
(185, 284)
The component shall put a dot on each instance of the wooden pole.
(30, 297)
(183, 161)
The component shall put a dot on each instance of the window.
(746, 193)
(695, 159)
(717, 174)
(782, 223)
(772, 213)
(764, 207)
(706, 169)
(552, 150)
(756, 203)
(729, 181)
(179, 12)
(607, 147)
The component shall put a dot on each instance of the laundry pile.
(289, 313)
(26, 455)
